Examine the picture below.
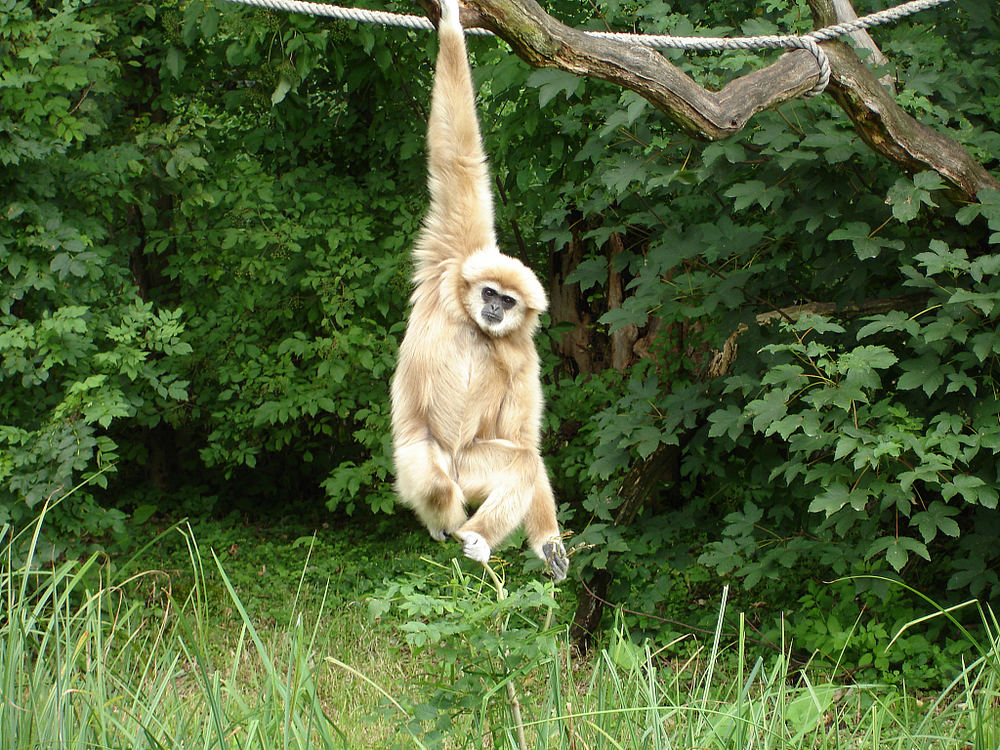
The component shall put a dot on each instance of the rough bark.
(622, 339)
(545, 42)
(581, 349)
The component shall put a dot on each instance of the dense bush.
(195, 283)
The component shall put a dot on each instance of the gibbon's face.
(500, 294)
(498, 310)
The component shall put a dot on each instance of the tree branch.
(545, 42)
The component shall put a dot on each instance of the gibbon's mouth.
(492, 318)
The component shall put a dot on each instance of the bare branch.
(545, 42)
(844, 11)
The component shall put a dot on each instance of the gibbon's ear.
(509, 273)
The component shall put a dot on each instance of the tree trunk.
(583, 349)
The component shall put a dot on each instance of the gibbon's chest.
(471, 385)
(489, 378)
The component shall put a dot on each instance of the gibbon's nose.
(493, 313)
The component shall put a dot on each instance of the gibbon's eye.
(507, 301)
(489, 293)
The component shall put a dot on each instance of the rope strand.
(809, 42)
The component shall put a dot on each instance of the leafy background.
(204, 228)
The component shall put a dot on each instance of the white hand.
(474, 546)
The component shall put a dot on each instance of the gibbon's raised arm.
(460, 217)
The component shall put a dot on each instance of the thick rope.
(658, 41)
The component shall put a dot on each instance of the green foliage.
(80, 348)
(187, 299)
(892, 443)
(859, 439)
(867, 635)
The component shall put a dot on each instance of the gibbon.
(466, 395)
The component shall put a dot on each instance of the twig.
(515, 704)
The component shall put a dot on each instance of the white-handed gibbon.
(466, 395)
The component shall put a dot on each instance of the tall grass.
(90, 658)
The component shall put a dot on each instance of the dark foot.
(556, 561)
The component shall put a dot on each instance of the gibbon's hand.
(556, 561)
(438, 535)
(449, 12)
(474, 546)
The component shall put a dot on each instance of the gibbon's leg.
(424, 482)
(519, 492)
(542, 528)
(502, 477)
(505, 477)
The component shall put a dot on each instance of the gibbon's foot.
(474, 546)
(556, 561)
(438, 535)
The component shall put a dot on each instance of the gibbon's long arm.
(459, 220)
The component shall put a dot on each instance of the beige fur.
(466, 396)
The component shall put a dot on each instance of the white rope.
(658, 41)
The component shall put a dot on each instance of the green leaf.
(937, 517)
(281, 90)
(831, 500)
(589, 273)
(984, 302)
(810, 322)
(728, 421)
(210, 22)
(897, 550)
(926, 372)
(754, 191)
(895, 320)
(175, 61)
(942, 259)
(551, 82)
(192, 15)
(619, 317)
(142, 513)
(624, 174)
(865, 245)
(766, 410)
(905, 196)
(972, 489)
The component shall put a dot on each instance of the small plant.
(484, 639)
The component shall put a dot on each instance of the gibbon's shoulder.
(508, 272)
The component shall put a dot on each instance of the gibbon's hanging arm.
(466, 394)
